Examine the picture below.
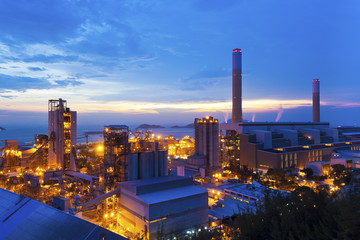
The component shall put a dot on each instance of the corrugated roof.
(24, 218)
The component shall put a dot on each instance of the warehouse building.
(24, 218)
(162, 205)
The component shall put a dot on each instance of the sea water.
(26, 134)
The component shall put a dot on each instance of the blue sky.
(168, 62)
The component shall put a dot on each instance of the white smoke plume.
(280, 113)
(226, 116)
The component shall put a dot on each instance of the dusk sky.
(167, 62)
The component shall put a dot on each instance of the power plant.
(278, 145)
(123, 182)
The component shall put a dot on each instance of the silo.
(163, 163)
(146, 164)
(156, 160)
(132, 166)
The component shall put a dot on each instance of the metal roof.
(171, 194)
(83, 176)
(24, 218)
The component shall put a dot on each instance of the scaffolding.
(116, 146)
(55, 103)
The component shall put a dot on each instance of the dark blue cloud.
(22, 83)
(67, 82)
(38, 20)
(208, 72)
(205, 78)
(36, 69)
(7, 96)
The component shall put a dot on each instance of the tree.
(275, 174)
(308, 172)
(302, 214)
(338, 169)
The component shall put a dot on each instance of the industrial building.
(124, 162)
(116, 147)
(15, 158)
(162, 205)
(62, 135)
(206, 145)
(348, 157)
(280, 145)
(24, 218)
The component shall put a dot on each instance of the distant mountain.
(1, 128)
(149, 126)
(191, 125)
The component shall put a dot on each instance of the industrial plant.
(280, 145)
(136, 185)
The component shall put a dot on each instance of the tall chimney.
(236, 86)
(316, 100)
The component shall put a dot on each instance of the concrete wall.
(266, 160)
(264, 137)
(334, 133)
(313, 133)
(292, 135)
(247, 152)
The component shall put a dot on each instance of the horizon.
(131, 66)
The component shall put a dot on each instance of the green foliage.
(308, 172)
(206, 235)
(302, 214)
(275, 174)
(338, 169)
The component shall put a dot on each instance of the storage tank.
(132, 166)
(146, 164)
(163, 163)
(156, 160)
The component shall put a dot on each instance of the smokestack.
(236, 86)
(316, 100)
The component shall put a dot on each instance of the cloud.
(36, 69)
(205, 78)
(21, 19)
(207, 72)
(43, 49)
(72, 82)
(22, 83)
